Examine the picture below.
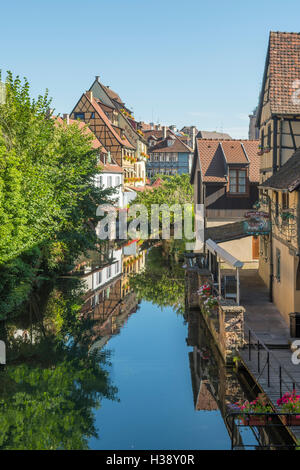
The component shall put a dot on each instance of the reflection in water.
(56, 391)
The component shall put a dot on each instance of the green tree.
(52, 385)
(161, 282)
(48, 200)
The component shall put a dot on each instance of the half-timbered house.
(278, 120)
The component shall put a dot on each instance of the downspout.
(270, 208)
(275, 120)
(280, 142)
(271, 253)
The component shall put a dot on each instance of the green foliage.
(48, 200)
(173, 190)
(51, 385)
(162, 282)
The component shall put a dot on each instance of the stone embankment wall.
(225, 320)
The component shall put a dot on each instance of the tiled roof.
(95, 142)
(162, 146)
(112, 94)
(251, 148)
(110, 168)
(283, 59)
(212, 135)
(124, 142)
(234, 152)
(288, 176)
(214, 155)
(212, 161)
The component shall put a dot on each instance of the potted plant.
(204, 291)
(290, 403)
(259, 405)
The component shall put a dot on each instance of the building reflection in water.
(109, 300)
(215, 386)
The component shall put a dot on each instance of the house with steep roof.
(110, 173)
(169, 155)
(278, 113)
(278, 120)
(123, 118)
(89, 110)
(225, 175)
(281, 252)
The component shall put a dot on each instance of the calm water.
(150, 367)
(156, 392)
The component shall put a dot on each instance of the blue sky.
(179, 62)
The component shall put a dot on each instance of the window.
(285, 201)
(276, 204)
(79, 116)
(99, 277)
(278, 264)
(92, 115)
(117, 267)
(237, 181)
(262, 138)
(109, 181)
(118, 180)
(97, 181)
(269, 136)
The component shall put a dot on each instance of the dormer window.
(237, 181)
(170, 142)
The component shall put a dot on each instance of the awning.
(223, 254)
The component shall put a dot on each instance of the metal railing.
(276, 374)
(236, 419)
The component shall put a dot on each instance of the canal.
(111, 358)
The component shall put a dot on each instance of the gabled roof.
(287, 177)
(212, 135)
(283, 59)
(96, 144)
(212, 161)
(234, 152)
(216, 155)
(162, 145)
(251, 148)
(112, 94)
(124, 142)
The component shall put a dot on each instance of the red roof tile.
(233, 151)
(212, 163)
(82, 125)
(214, 156)
(283, 59)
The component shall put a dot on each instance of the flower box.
(291, 420)
(253, 420)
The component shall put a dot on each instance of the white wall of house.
(99, 278)
(112, 180)
(109, 272)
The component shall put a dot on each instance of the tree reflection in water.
(162, 280)
(51, 384)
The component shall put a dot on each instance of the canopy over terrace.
(222, 255)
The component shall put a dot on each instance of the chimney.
(97, 77)
(66, 117)
(164, 128)
(89, 94)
